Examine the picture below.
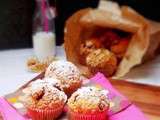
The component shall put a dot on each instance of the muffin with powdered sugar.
(89, 103)
(43, 101)
(67, 73)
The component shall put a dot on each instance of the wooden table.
(146, 97)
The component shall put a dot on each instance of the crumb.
(34, 65)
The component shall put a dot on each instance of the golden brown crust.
(87, 47)
(102, 60)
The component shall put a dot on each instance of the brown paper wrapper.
(143, 44)
(154, 46)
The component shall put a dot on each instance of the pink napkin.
(126, 111)
(131, 113)
(8, 112)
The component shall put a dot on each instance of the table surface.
(13, 71)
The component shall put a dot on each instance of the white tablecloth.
(13, 72)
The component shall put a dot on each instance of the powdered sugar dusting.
(53, 82)
(47, 84)
(89, 99)
(91, 91)
(65, 71)
(42, 94)
(62, 68)
(35, 86)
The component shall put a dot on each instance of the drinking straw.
(44, 17)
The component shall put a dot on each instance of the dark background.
(15, 23)
(16, 18)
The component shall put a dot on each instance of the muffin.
(87, 47)
(102, 60)
(88, 103)
(54, 82)
(67, 74)
(43, 101)
(120, 48)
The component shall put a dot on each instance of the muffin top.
(66, 72)
(89, 100)
(42, 94)
(53, 82)
(89, 46)
(99, 57)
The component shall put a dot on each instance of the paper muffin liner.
(38, 114)
(96, 116)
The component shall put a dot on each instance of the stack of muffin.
(46, 98)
